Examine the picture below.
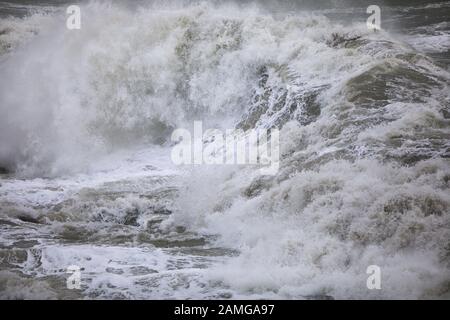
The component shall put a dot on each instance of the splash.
(364, 138)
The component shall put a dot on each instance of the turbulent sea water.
(86, 177)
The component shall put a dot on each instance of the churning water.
(86, 177)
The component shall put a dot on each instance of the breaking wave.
(364, 121)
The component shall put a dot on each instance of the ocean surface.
(86, 177)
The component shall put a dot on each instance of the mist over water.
(86, 177)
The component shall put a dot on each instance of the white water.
(363, 180)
